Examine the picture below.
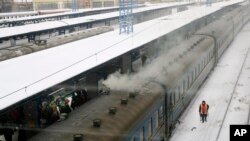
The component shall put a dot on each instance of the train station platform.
(226, 91)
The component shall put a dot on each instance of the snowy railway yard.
(227, 93)
(158, 81)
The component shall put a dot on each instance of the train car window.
(184, 87)
(201, 65)
(156, 119)
(142, 134)
(132, 139)
(199, 70)
(196, 74)
(153, 122)
(179, 92)
(161, 115)
(176, 94)
(150, 127)
(192, 76)
(146, 133)
(171, 99)
(174, 98)
(209, 55)
(204, 60)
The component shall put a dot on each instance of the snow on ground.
(232, 71)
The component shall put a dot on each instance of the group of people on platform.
(54, 109)
(50, 110)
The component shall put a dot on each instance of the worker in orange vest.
(203, 110)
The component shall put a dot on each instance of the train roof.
(113, 127)
(27, 75)
(231, 17)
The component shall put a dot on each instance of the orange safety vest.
(204, 108)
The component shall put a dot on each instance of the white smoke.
(155, 71)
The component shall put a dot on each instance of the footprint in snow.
(193, 128)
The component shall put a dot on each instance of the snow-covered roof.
(27, 75)
(17, 14)
(51, 15)
(18, 30)
(79, 11)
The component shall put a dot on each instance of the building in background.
(110, 3)
(1, 5)
(105, 3)
(51, 4)
(22, 5)
(6, 5)
(84, 3)
(66, 4)
(15, 5)
(27, 5)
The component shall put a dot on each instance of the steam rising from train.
(155, 70)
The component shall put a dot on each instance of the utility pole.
(74, 6)
(209, 2)
(126, 16)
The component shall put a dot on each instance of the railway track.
(232, 94)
